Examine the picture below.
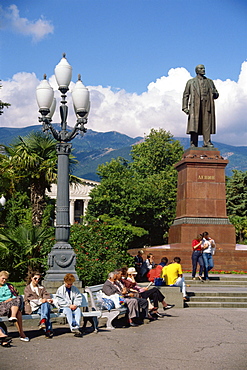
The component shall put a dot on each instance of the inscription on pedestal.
(205, 177)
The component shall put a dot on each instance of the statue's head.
(200, 69)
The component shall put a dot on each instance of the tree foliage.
(30, 166)
(101, 247)
(24, 248)
(236, 202)
(31, 161)
(141, 192)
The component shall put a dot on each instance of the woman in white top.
(208, 247)
(69, 299)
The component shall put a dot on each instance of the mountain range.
(95, 148)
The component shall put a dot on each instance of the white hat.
(131, 270)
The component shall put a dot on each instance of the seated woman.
(10, 304)
(69, 300)
(153, 294)
(37, 300)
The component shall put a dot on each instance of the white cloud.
(36, 29)
(135, 115)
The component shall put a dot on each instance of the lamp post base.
(61, 261)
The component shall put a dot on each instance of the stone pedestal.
(201, 200)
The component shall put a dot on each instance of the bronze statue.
(198, 103)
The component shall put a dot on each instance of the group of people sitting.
(169, 274)
(142, 303)
(38, 300)
(203, 249)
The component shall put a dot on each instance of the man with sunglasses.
(38, 300)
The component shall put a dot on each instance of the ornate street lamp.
(61, 259)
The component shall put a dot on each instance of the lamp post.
(61, 259)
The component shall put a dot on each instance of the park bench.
(87, 314)
(95, 306)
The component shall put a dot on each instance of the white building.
(78, 200)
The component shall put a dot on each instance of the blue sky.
(135, 56)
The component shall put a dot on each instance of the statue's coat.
(192, 101)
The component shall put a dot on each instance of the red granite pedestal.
(201, 200)
(201, 206)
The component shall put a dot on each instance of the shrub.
(101, 247)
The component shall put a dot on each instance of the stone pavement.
(185, 339)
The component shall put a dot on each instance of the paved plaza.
(190, 338)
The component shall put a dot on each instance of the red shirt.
(194, 243)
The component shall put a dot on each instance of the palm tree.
(32, 160)
(22, 248)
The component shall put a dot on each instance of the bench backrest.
(92, 291)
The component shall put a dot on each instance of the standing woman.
(10, 304)
(197, 257)
(208, 246)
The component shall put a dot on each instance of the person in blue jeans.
(208, 246)
(197, 257)
(69, 300)
(38, 300)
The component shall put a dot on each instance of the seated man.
(147, 266)
(173, 275)
(110, 288)
(69, 299)
(37, 300)
(138, 260)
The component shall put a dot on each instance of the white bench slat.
(110, 315)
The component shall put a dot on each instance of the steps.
(222, 291)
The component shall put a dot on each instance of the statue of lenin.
(198, 103)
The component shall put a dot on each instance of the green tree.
(23, 249)
(32, 161)
(30, 165)
(101, 246)
(157, 153)
(18, 210)
(236, 202)
(141, 192)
